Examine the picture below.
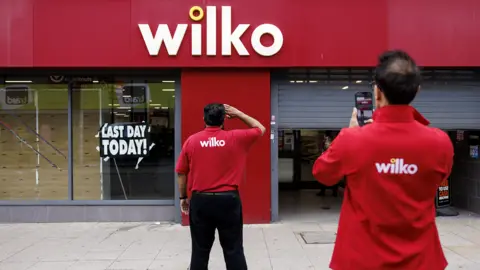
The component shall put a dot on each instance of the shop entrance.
(310, 115)
(300, 195)
(309, 105)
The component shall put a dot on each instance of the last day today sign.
(124, 139)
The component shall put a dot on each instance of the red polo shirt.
(214, 160)
(393, 167)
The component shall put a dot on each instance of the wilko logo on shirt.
(212, 142)
(396, 166)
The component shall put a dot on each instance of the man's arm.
(245, 137)
(182, 185)
(251, 122)
(182, 168)
(330, 167)
(449, 153)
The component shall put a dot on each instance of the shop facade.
(69, 68)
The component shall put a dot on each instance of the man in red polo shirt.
(393, 167)
(212, 164)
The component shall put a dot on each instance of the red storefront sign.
(89, 33)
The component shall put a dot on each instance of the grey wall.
(85, 213)
(465, 177)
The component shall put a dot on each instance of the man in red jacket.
(393, 168)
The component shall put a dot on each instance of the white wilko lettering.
(212, 142)
(396, 166)
(229, 38)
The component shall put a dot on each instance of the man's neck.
(213, 127)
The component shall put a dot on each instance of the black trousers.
(221, 211)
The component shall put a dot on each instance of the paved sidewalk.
(141, 246)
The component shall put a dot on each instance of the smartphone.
(364, 105)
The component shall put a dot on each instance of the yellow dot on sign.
(199, 11)
(393, 160)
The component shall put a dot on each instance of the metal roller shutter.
(449, 99)
(450, 107)
(315, 107)
(327, 107)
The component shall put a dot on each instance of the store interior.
(300, 195)
(34, 142)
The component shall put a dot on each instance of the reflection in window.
(33, 141)
(122, 103)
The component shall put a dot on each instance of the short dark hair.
(214, 114)
(398, 77)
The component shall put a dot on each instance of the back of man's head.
(214, 114)
(397, 77)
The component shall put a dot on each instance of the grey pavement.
(156, 245)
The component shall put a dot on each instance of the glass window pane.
(33, 141)
(121, 104)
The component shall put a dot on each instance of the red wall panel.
(105, 33)
(240, 89)
(436, 32)
(16, 33)
(93, 33)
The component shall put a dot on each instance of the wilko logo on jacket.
(396, 166)
(212, 142)
(229, 38)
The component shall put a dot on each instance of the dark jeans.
(221, 211)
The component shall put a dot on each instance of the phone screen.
(364, 101)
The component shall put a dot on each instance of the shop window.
(120, 174)
(33, 141)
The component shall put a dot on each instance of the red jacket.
(393, 168)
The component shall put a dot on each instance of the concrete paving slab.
(154, 246)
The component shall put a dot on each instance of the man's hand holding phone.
(354, 119)
(364, 107)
